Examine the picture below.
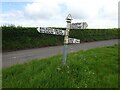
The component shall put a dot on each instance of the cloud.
(102, 12)
(15, 17)
(43, 9)
(97, 13)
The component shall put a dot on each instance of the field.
(16, 38)
(94, 68)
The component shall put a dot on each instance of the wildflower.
(85, 85)
(67, 66)
(95, 56)
(68, 72)
(58, 68)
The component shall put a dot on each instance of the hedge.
(15, 38)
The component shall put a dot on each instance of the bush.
(14, 38)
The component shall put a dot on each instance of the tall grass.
(95, 68)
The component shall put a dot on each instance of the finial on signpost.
(69, 18)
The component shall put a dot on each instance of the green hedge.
(88, 35)
(14, 38)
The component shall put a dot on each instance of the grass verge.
(94, 68)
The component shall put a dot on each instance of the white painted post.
(61, 32)
(68, 20)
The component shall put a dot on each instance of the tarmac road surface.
(22, 56)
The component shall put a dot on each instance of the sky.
(52, 13)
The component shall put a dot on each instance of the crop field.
(94, 68)
(16, 38)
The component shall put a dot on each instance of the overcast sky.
(52, 13)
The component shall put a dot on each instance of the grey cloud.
(79, 15)
(104, 14)
(42, 16)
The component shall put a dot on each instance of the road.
(14, 57)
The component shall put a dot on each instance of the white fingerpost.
(64, 33)
(68, 20)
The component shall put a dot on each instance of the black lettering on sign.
(51, 31)
(58, 32)
(41, 31)
(77, 41)
(73, 40)
(62, 32)
(70, 40)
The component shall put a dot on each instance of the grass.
(0, 78)
(94, 68)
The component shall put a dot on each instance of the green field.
(94, 68)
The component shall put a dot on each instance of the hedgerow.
(15, 38)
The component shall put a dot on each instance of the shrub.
(14, 38)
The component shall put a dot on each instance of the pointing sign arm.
(38, 29)
(51, 31)
(73, 40)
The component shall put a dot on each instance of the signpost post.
(64, 33)
(68, 20)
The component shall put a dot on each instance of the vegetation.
(14, 38)
(0, 78)
(95, 68)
